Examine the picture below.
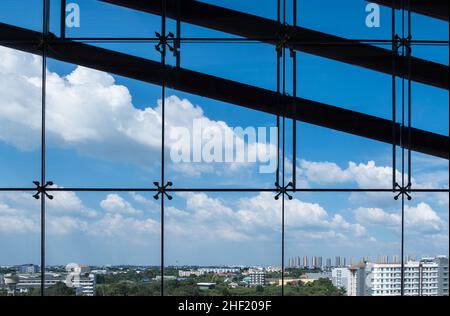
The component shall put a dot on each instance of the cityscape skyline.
(423, 277)
(291, 262)
(99, 134)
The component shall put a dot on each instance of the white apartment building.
(357, 280)
(427, 277)
(33, 281)
(340, 277)
(188, 273)
(219, 270)
(85, 285)
(257, 277)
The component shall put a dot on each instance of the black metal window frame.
(286, 46)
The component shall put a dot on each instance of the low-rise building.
(29, 269)
(188, 273)
(257, 277)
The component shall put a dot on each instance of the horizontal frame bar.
(228, 91)
(252, 26)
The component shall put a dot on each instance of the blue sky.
(103, 131)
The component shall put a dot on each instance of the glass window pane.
(332, 159)
(30, 16)
(343, 85)
(250, 63)
(20, 118)
(428, 28)
(223, 244)
(264, 8)
(426, 244)
(337, 242)
(20, 244)
(102, 130)
(219, 145)
(351, 19)
(103, 244)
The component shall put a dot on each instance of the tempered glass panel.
(145, 49)
(429, 112)
(20, 117)
(428, 28)
(19, 243)
(334, 238)
(103, 244)
(223, 244)
(429, 172)
(250, 63)
(220, 145)
(263, 8)
(343, 85)
(429, 108)
(437, 53)
(102, 130)
(352, 19)
(332, 159)
(195, 33)
(22, 13)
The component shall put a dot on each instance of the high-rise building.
(313, 262)
(328, 263)
(357, 280)
(319, 262)
(305, 263)
(297, 262)
(337, 263)
(427, 277)
(291, 263)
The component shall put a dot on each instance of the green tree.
(59, 289)
(259, 289)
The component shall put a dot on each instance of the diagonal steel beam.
(223, 90)
(301, 39)
(434, 8)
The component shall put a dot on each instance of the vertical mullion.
(277, 176)
(294, 98)
(178, 35)
(45, 32)
(63, 19)
(283, 184)
(394, 99)
(402, 281)
(409, 53)
(163, 101)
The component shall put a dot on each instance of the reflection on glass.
(103, 244)
(20, 244)
(223, 244)
(336, 241)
